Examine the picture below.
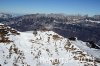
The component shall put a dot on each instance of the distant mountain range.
(83, 27)
(3, 15)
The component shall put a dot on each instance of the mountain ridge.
(67, 26)
(46, 48)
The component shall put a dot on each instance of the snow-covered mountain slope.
(93, 21)
(45, 48)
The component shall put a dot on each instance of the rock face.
(46, 48)
(5, 32)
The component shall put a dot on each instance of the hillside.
(44, 48)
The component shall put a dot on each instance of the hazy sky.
(90, 7)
